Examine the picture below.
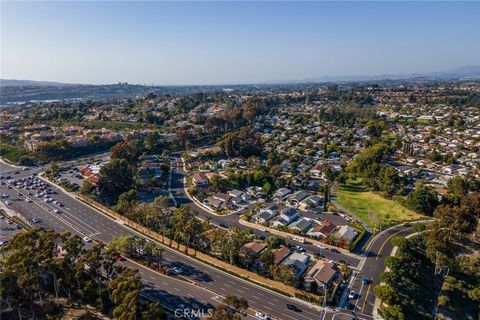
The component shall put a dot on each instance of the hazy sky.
(233, 42)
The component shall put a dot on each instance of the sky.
(181, 43)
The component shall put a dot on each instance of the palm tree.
(131, 244)
(345, 271)
(157, 252)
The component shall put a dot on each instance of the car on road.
(322, 247)
(223, 225)
(298, 248)
(87, 239)
(261, 316)
(293, 307)
(352, 295)
(175, 270)
(28, 200)
(36, 220)
(57, 211)
(365, 280)
(334, 250)
(119, 258)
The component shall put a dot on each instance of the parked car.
(87, 239)
(352, 295)
(36, 220)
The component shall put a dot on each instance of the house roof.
(254, 247)
(280, 254)
(199, 176)
(289, 212)
(302, 224)
(299, 195)
(346, 232)
(322, 271)
(265, 215)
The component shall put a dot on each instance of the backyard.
(371, 208)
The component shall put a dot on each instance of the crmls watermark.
(193, 313)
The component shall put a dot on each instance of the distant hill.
(465, 72)
(28, 90)
(32, 83)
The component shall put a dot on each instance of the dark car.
(334, 250)
(223, 225)
(365, 280)
(293, 307)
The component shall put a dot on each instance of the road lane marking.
(366, 297)
(385, 242)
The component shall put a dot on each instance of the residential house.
(323, 273)
(317, 170)
(302, 225)
(78, 142)
(32, 144)
(251, 251)
(289, 214)
(322, 230)
(299, 262)
(347, 233)
(262, 217)
(281, 254)
(311, 202)
(295, 198)
(200, 179)
(281, 194)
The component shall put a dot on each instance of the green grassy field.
(371, 208)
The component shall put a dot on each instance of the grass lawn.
(371, 208)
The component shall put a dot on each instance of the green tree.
(422, 200)
(152, 312)
(125, 292)
(284, 274)
(87, 188)
(390, 182)
(457, 188)
(275, 241)
(115, 177)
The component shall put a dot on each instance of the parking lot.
(71, 176)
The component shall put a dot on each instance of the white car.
(262, 316)
(87, 239)
(321, 247)
(28, 200)
(36, 220)
(4, 195)
(8, 202)
(56, 211)
(352, 295)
